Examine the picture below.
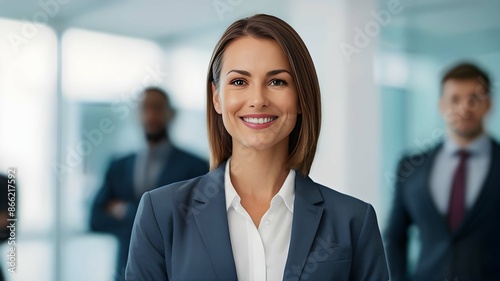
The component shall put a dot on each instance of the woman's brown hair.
(304, 137)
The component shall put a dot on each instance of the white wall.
(348, 155)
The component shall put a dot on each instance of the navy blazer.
(181, 233)
(472, 252)
(119, 185)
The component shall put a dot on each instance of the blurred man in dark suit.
(4, 214)
(128, 178)
(451, 193)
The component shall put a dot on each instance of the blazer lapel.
(489, 188)
(431, 207)
(211, 219)
(306, 219)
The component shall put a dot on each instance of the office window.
(102, 79)
(28, 83)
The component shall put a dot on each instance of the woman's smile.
(258, 121)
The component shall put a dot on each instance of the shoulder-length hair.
(304, 137)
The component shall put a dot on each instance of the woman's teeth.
(259, 120)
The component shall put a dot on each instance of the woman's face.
(256, 96)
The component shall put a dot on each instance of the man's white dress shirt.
(445, 165)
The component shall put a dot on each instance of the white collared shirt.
(260, 253)
(446, 163)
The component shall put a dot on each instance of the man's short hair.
(163, 93)
(467, 71)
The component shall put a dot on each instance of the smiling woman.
(257, 215)
(272, 41)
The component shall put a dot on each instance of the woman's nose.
(258, 97)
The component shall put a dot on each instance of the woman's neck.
(258, 174)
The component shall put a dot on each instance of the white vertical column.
(59, 235)
(348, 155)
(363, 105)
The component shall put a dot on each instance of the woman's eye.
(278, 82)
(238, 82)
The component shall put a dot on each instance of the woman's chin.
(263, 145)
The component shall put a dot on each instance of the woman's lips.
(258, 121)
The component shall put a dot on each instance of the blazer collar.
(209, 211)
(306, 220)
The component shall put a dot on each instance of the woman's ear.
(216, 99)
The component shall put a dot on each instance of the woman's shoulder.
(179, 202)
(341, 199)
(176, 196)
(339, 203)
(328, 194)
(177, 191)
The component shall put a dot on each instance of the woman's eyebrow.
(269, 73)
(242, 72)
(276, 72)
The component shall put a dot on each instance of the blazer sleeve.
(146, 260)
(396, 233)
(369, 262)
(100, 219)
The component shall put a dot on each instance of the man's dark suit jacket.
(4, 206)
(119, 185)
(181, 233)
(472, 252)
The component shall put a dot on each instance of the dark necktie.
(456, 210)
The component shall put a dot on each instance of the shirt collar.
(480, 146)
(287, 190)
(232, 198)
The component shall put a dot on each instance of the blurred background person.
(450, 192)
(4, 215)
(129, 177)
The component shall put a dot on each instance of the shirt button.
(268, 221)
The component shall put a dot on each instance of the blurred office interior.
(71, 72)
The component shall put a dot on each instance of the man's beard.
(469, 134)
(157, 136)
